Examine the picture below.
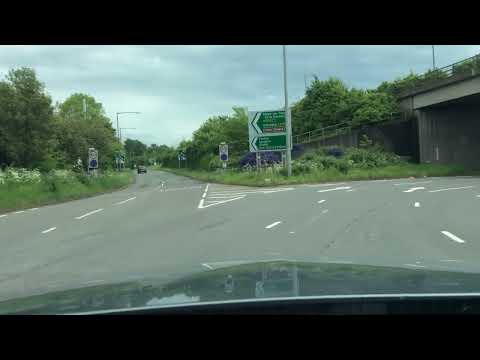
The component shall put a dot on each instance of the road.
(189, 226)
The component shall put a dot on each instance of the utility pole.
(433, 56)
(84, 109)
(287, 115)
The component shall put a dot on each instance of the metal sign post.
(92, 159)
(288, 116)
(223, 152)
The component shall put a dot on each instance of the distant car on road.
(141, 169)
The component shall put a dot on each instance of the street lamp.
(433, 56)
(118, 127)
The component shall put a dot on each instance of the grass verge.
(21, 196)
(267, 178)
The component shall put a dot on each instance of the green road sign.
(269, 143)
(267, 122)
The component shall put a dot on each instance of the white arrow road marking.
(453, 237)
(202, 206)
(272, 225)
(413, 183)
(88, 214)
(447, 189)
(48, 230)
(413, 189)
(124, 201)
(337, 188)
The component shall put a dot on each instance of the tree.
(77, 133)
(26, 120)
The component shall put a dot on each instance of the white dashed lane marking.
(273, 224)
(321, 201)
(124, 201)
(19, 212)
(88, 214)
(413, 189)
(1, 216)
(413, 183)
(48, 230)
(456, 188)
(453, 237)
(334, 189)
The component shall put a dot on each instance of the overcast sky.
(176, 88)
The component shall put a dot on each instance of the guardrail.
(441, 76)
(339, 129)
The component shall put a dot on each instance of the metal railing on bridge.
(339, 129)
(437, 77)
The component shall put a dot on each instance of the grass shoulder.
(51, 189)
(270, 177)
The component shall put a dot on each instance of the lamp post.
(118, 127)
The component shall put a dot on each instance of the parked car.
(141, 169)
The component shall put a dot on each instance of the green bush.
(215, 163)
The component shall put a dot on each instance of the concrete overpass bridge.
(446, 113)
(439, 123)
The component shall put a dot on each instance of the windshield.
(186, 174)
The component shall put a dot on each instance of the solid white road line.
(417, 204)
(453, 237)
(124, 201)
(48, 230)
(447, 189)
(19, 212)
(2, 216)
(319, 185)
(88, 214)
(413, 189)
(451, 260)
(413, 183)
(337, 188)
(207, 266)
(321, 201)
(272, 225)
(237, 192)
(202, 206)
(415, 265)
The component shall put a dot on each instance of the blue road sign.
(93, 164)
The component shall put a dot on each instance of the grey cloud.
(178, 87)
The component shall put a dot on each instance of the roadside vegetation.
(326, 165)
(22, 188)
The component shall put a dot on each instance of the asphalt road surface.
(187, 226)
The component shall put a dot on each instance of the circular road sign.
(223, 157)
(93, 163)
